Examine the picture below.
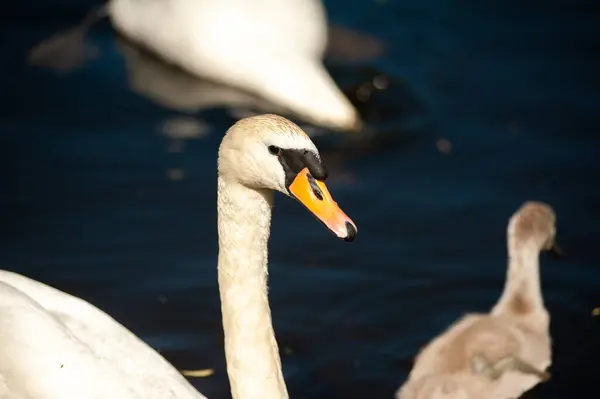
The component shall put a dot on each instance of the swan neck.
(253, 363)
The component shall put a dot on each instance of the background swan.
(170, 87)
(505, 353)
(56, 346)
(272, 48)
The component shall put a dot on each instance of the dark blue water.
(88, 205)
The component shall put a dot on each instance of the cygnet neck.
(251, 351)
(522, 295)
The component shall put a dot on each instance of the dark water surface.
(90, 204)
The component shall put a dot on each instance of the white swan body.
(168, 86)
(505, 353)
(270, 47)
(56, 346)
(273, 49)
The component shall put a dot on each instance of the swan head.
(301, 86)
(271, 152)
(534, 223)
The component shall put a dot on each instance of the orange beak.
(315, 196)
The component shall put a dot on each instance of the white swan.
(505, 353)
(273, 48)
(172, 88)
(56, 346)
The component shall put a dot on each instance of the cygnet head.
(271, 152)
(534, 223)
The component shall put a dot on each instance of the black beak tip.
(556, 252)
(351, 232)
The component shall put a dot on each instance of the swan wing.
(56, 346)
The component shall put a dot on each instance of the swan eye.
(274, 150)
